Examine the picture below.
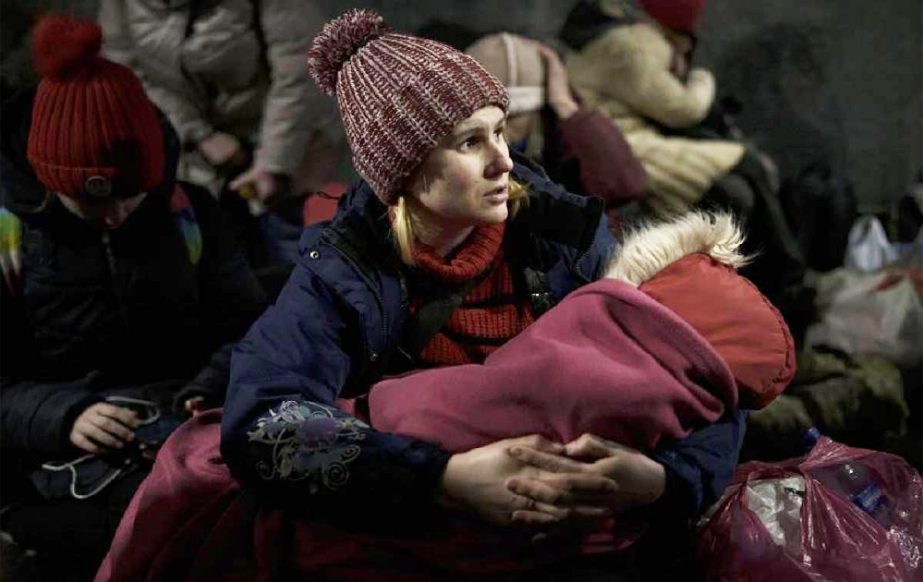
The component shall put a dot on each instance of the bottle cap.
(810, 438)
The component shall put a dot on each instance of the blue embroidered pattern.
(310, 442)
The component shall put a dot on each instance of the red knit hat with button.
(94, 133)
(679, 15)
(399, 95)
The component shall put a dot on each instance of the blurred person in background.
(633, 63)
(579, 147)
(229, 74)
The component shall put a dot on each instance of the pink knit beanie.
(399, 95)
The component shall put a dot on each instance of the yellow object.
(247, 191)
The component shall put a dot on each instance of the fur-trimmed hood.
(649, 249)
(689, 264)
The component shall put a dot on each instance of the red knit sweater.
(489, 315)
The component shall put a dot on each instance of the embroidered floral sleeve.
(310, 442)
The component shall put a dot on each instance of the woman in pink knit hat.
(448, 249)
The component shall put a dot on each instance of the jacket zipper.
(113, 276)
(381, 304)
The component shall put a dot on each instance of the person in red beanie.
(123, 295)
(678, 19)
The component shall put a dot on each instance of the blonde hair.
(402, 229)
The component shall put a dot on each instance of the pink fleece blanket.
(608, 360)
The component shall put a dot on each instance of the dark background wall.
(835, 81)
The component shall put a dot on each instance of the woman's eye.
(469, 143)
(499, 133)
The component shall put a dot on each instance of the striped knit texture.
(399, 96)
(490, 314)
(96, 121)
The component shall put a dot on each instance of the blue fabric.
(337, 322)
(280, 238)
(704, 462)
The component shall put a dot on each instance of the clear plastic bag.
(879, 314)
(868, 248)
(831, 538)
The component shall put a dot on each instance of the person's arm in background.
(589, 146)
(184, 113)
(287, 27)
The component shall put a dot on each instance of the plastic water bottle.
(853, 481)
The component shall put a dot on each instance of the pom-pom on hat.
(399, 95)
(679, 15)
(94, 133)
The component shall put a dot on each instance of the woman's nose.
(501, 162)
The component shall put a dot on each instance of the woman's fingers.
(536, 442)
(589, 446)
(533, 511)
(564, 495)
(549, 461)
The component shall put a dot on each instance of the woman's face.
(464, 182)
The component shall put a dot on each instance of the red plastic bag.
(837, 540)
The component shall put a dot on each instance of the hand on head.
(557, 86)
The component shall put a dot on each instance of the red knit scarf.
(489, 315)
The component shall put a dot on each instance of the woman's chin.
(495, 214)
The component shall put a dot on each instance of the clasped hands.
(535, 483)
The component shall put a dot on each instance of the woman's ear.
(417, 185)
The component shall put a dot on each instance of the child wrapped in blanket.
(671, 337)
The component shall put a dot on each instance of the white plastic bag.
(868, 248)
(869, 314)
